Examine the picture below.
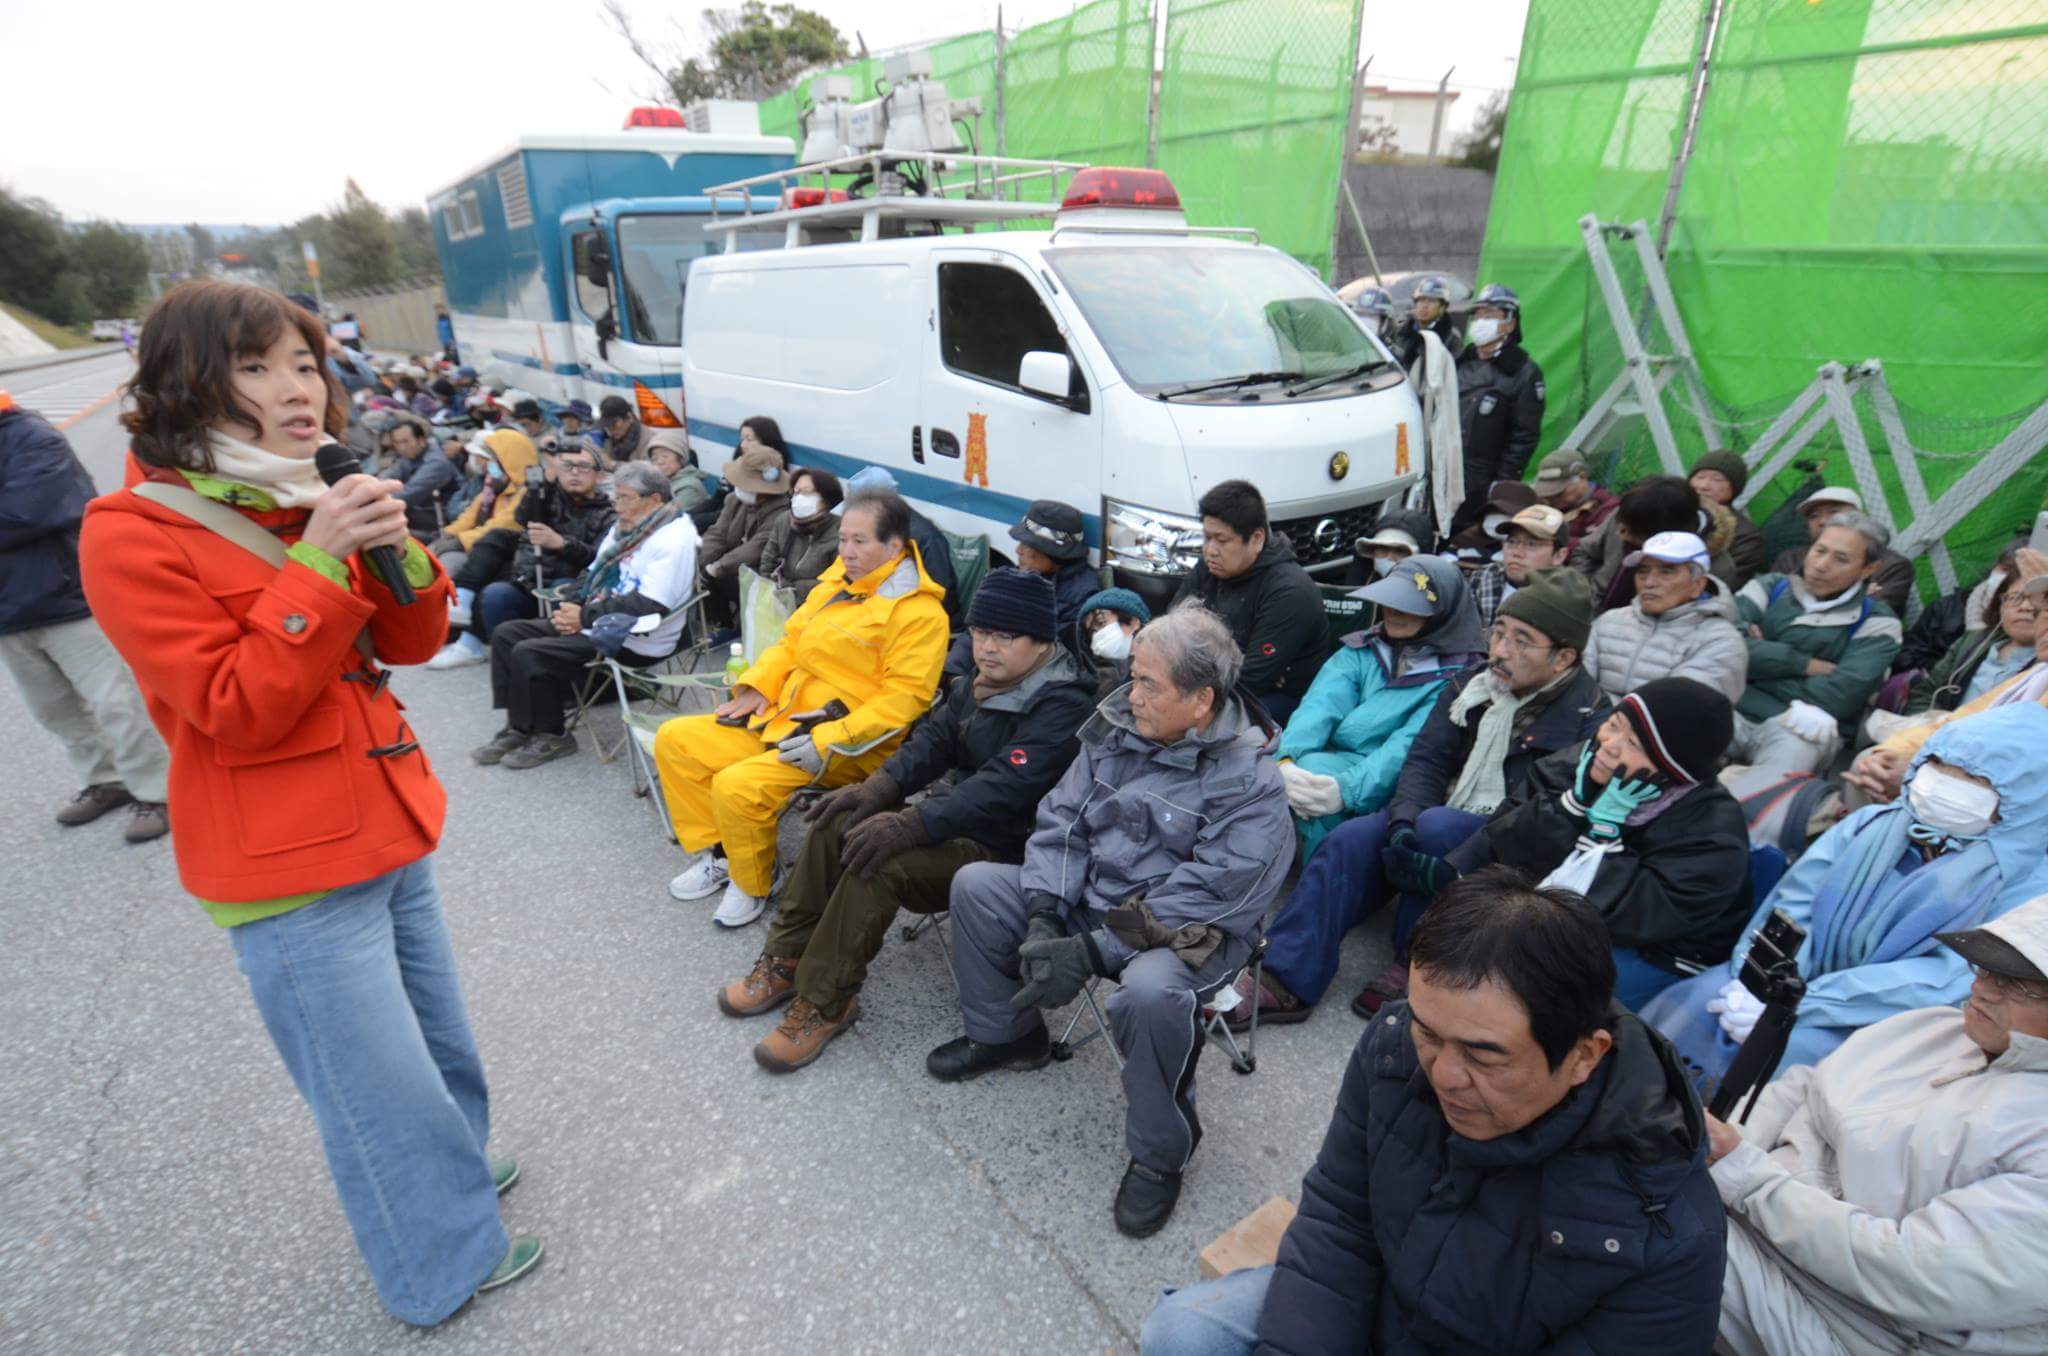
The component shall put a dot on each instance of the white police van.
(1122, 360)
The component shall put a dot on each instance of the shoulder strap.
(224, 522)
(1778, 590)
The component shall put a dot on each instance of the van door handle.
(917, 443)
(944, 443)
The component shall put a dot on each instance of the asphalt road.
(161, 1185)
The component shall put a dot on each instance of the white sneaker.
(738, 908)
(704, 875)
(458, 612)
(459, 655)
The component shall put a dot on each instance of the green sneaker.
(504, 1172)
(523, 1256)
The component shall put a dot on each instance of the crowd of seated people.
(1517, 762)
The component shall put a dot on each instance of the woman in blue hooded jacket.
(1343, 747)
(1963, 845)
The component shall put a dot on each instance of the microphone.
(334, 461)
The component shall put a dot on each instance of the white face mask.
(746, 496)
(1949, 805)
(805, 505)
(1483, 331)
(1110, 642)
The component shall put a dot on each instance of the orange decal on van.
(977, 450)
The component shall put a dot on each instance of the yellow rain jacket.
(515, 452)
(878, 644)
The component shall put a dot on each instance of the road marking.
(69, 420)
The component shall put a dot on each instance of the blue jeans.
(1341, 887)
(1212, 1318)
(499, 603)
(1637, 981)
(360, 996)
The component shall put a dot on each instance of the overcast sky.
(233, 111)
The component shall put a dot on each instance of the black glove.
(860, 800)
(1414, 872)
(1054, 970)
(867, 847)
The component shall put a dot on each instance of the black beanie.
(1558, 602)
(1729, 464)
(1684, 725)
(1016, 601)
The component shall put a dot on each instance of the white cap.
(1679, 548)
(1834, 494)
(2015, 945)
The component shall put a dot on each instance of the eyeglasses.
(583, 466)
(2020, 603)
(2024, 990)
(999, 637)
(1515, 643)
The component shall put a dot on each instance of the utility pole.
(1157, 78)
(1002, 82)
(1436, 126)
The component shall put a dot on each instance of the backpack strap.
(1799, 813)
(224, 522)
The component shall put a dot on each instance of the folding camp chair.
(606, 674)
(970, 567)
(1211, 1014)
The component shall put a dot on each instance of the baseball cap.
(2015, 945)
(1560, 466)
(1834, 494)
(1679, 548)
(1538, 520)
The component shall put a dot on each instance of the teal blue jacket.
(1358, 717)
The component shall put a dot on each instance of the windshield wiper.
(1331, 378)
(1228, 383)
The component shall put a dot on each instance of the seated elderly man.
(1680, 624)
(1965, 843)
(1894, 1197)
(1564, 482)
(1515, 1165)
(1153, 861)
(989, 752)
(1343, 746)
(825, 706)
(1819, 647)
(642, 569)
(1489, 726)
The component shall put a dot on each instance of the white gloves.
(800, 751)
(1310, 794)
(1809, 722)
(1739, 1009)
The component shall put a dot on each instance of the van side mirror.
(597, 263)
(1047, 374)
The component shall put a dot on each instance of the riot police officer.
(1500, 399)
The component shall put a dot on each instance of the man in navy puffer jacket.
(1515, 1165)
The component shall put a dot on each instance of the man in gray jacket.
(1680, 624)
(1153, 861)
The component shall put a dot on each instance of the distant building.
(1397, 122)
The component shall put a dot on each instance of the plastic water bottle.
(736, 665)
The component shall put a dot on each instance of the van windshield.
(1180, 317)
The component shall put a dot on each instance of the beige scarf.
(292, 482)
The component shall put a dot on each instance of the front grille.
(1351, 524)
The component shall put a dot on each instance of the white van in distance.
(1122, 360)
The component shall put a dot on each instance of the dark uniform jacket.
(43, 493)
(1275, 614)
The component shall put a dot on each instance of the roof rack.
(981, 194)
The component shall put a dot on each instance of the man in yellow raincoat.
(871, 638)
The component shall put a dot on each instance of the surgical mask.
(746, 496)
(1483, 331)
(1111, 642)
(496, 473)
(805, 505)
(1382, 565)
(1949, 805)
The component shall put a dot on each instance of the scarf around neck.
(984, 689)
(1482, 783)
(291, 482)
(602, 578)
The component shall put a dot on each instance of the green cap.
(1558, 602)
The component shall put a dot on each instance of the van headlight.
(1149, 541)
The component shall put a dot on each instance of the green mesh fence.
(1869, 181)
(1252, 114)
(1254, 97)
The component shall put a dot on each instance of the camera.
(1771, 972)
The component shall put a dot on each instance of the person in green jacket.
(1819, 647)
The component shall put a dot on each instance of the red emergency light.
(811, 197)
(1107, 186)
(654, 115)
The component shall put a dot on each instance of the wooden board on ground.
(1251, 1242)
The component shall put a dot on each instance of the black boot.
(959, 1060)
(1145, 1200)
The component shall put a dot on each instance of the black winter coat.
(1406, 342)
(1568, 716)
(1274, 612)
(1594, 1230)
(1000, 756)
(581, 523)
(1500, 412)
(1679, 887)
(44, 489)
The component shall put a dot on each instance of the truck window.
(989, 318)
(654, 255)
(595, 300)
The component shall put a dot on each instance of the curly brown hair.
(185, 361)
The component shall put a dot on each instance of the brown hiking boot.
(93, 802)
(147, 819)
(768, 985)
(802, 1037)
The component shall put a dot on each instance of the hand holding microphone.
(359, 513)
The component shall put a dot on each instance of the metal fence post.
(1696, 97)
(1436, 125)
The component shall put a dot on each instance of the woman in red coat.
(303, 813)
